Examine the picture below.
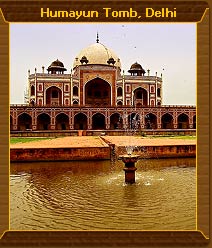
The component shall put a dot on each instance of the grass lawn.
(14, 140)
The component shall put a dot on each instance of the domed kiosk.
(56, 67)
(136, 69)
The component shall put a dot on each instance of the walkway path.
(147, 141)
(95, 141)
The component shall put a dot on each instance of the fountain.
(129, 169)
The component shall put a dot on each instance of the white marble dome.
(97, 54)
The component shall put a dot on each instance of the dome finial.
(97, 37)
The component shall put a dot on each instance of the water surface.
(92, 195)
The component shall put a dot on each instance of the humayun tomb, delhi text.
(109, 13)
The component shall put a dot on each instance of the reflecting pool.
(92, 195)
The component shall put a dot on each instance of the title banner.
(99, 11)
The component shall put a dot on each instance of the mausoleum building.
(97, 95)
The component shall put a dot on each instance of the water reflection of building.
(97, 95)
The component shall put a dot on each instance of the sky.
(169, 49)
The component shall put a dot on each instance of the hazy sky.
(166, 48)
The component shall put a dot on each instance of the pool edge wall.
(59, 154)
(165, 151)
(98, 153)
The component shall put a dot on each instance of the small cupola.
(111, 61)
(84, 60)
(136, 70)
(56, 67)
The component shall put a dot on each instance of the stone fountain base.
(129, 169)
(130, 174)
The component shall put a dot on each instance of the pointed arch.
(80, 121)
(62, 122)
(167, 121)
(183, 121)
(97, 92)
(140, 97)
(134, 121)
(53, 96)
(116, 121)
(98, 121)
(24, 122)
(43, 121)
(150, 121)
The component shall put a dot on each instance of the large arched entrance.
(97, 93)
(183, 121)
(98, 121)
(53, 96)
(140, 97)
(24, 122)
(80, 121)
(43, 122)
(62, 122)
(167, 121)
(116, 121)
(150, 121)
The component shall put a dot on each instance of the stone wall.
(165, 151)
(59, 154)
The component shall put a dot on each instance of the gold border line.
(109, 230)
(1, 12)
(208, 224)
(207, 9)
(8, 223)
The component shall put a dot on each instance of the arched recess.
(194, 122)
(43, 122)
(119, 92)
(32, 90)
(183, 121)
(62, 122)
(80, 121)
(134, 121)
(116, 121)
(32, 103)
(140, 97)
(150, 121)
(53, 96)
(158, 92)
(97, 93)
(11, 122)
(24, 122)
(75, 91)
(98, 121)
(119, 103)
(167, 121)
(75, 102)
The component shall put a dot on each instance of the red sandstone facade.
(97, 96)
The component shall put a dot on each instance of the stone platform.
(97, 148)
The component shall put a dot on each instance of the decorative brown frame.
(188, 11)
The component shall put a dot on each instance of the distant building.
(96, 95)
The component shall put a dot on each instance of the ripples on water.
(93, 196)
